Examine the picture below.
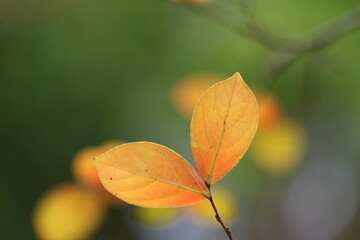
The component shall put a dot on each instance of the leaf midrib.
(159, 179)
(222, 136)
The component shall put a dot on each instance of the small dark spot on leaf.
(111, 178)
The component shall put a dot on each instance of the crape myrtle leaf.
(67, 212)
(223, 125)
(150, 175)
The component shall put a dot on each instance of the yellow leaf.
(150, 175)
(187, 91)
(223, 125)
(66, 212)
(278, 150)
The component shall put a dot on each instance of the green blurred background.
(79, 73)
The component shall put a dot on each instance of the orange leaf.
(150, 175)
(223, 125)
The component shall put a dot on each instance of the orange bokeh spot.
(84, 170)
(187, 90)
(270, 109)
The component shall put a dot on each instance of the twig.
(248, 27)
(218, 218)
(319, 38)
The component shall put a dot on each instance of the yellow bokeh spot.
(225, 203)
(155, 216)
(279, 150)
(67, 212)
(187, 91)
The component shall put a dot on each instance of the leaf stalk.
(218, 217)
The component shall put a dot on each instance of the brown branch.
(218, 218)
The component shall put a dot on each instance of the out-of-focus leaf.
(279, 150)
(270, 109)
(225, 203)
(150, 175)
(155, 216)
(66, 212)
(223, 125)
(187, 91)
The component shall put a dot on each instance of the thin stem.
(217, 216)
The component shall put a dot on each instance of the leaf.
(223, 125)
(150, 175)
(67, 212)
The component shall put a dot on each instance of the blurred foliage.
(155, 216)
(77, 73)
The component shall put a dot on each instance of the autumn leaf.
(223, 125)
(150, 175)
